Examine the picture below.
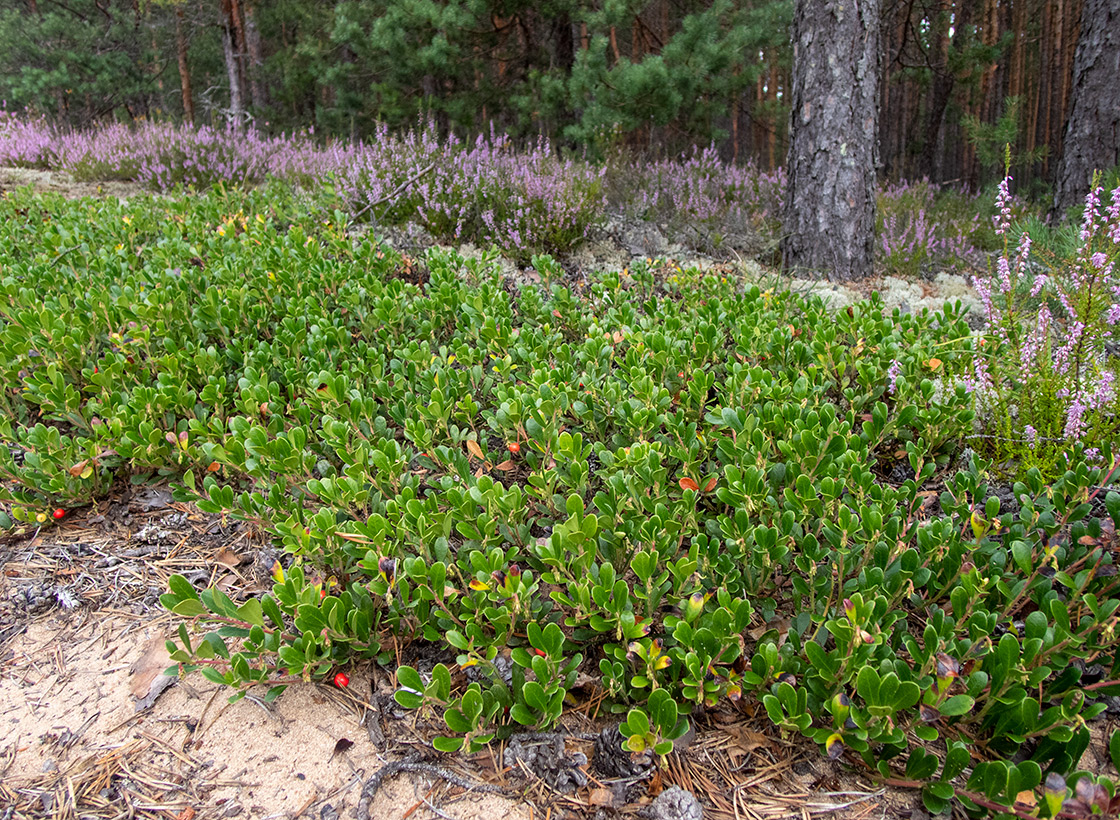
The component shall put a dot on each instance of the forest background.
(960, 80)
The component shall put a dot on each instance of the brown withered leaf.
(76, 470)
(148, 680)
(601, 797)
(474, 449)
(505, 466)
(341, 746)
(228, 557)
(747, 739)
(781, 624)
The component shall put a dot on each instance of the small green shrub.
(685, 488)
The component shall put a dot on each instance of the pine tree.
(830, 205)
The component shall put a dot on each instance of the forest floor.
(91, 728)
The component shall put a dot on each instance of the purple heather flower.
(980, 382)
(1114, 217)
(893, 372)
(1002, 220)
(1089, 219)
(1031, 434)
(1075, 422)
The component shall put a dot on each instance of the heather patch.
(1046, 374)
(922, 229)
(524, 199)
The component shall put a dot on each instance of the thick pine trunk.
(830, 204)
(1092, 138)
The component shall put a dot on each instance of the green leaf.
(867, 685)
(219, 603)
(409, 700)
(942, 791)
(213, 675)
(448, 744)
(927, 733)
(637, 723)
(535, 696)
(456, 721)
(182, 588)
(190, 608)
(251, 612)
(409, 678)
(522, 714)
(957, 705)
(552, 640)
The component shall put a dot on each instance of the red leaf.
(711, 485)
(688, 484)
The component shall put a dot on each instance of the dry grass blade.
(96, 786)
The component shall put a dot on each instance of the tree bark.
(830, 204)
(239, 43)
(184, 67)
(233, 69)
(1092, 138)
(254, 54)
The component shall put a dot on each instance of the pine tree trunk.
(253, 52)
(830, 204)
(184, 68)
(236, 110)
(239, 49)
(1092, 138)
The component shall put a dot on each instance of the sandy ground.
(69, 721)
(62, 183)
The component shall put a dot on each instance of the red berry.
(58, 513)
(514, 447)
(341, 680)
